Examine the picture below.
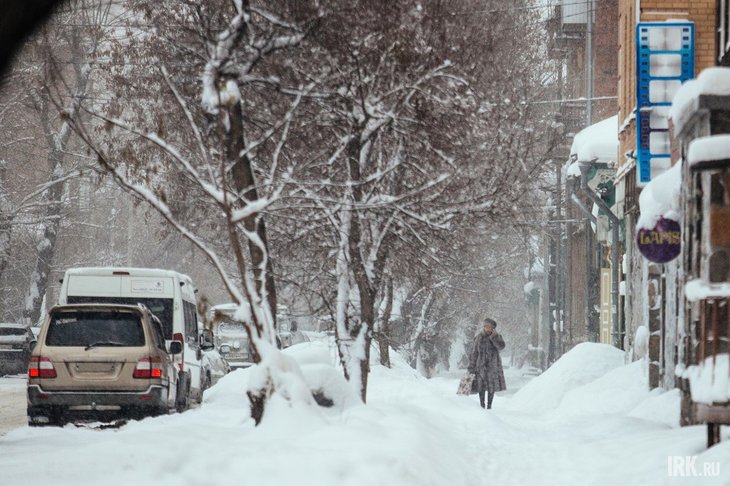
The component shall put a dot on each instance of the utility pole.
(559, 261)
(589, 62)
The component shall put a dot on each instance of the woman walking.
(485, 363)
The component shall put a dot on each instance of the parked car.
(101, 361)
(292, 335)
(215, 367)
(229, 336)
(15, 342)
(169, 295)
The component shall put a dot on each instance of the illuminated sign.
(664, 60)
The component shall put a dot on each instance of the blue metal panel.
(683, 45)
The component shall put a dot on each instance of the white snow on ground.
(12, 392)
(598, 427)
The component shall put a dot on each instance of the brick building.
(646, 284)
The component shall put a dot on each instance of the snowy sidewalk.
(590, 422)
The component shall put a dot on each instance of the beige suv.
(100, 361)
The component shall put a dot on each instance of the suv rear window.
(95, 329)
(162, 308)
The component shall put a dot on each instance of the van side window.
(191, 321)
(157, 330)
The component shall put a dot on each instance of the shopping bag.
(467, 385)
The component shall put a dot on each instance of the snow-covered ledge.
(660, 198)
(596, 143)
(706, 152)
(714, 81)
(698, 289)
(709, 382)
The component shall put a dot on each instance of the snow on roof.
(711, 81)
(700, 290)
(705, 149)
(12, 325)
(574, 169)
(133, 272)
(226, 307)
(660, 198)
(597, 142)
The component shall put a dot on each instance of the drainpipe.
(615, 275)
(584, 209)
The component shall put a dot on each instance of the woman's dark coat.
(485, 363)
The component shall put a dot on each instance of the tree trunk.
(384, 331)
(47, 246)
(365, 286)
(245, 184)
(6, 220)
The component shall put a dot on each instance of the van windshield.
(162, 308)
(231, 327)
(95, 328)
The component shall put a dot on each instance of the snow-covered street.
(12, 403)
(588, 420)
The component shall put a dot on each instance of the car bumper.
(153, 397)
(234, 365)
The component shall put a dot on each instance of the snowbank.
(661, 406)
(581, 365)
(591, 380)
(618, 391)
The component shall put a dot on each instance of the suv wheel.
(183, 390)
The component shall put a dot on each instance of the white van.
(169, 295)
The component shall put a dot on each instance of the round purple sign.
(661, 244)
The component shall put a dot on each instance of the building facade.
(650, 289)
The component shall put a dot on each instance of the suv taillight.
(40, 367)
(148, 368)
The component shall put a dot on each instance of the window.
(95, 328)
(157, 332)
(162, 308)
(191, 321)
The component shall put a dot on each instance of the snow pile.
(581, 365)
(711, 81)
(641, 342)
(698, 289)
(591, 380)
(618, 391)
(709, 382)
(660, 198)
(661, 406)
(704, 149)
(598, 142)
